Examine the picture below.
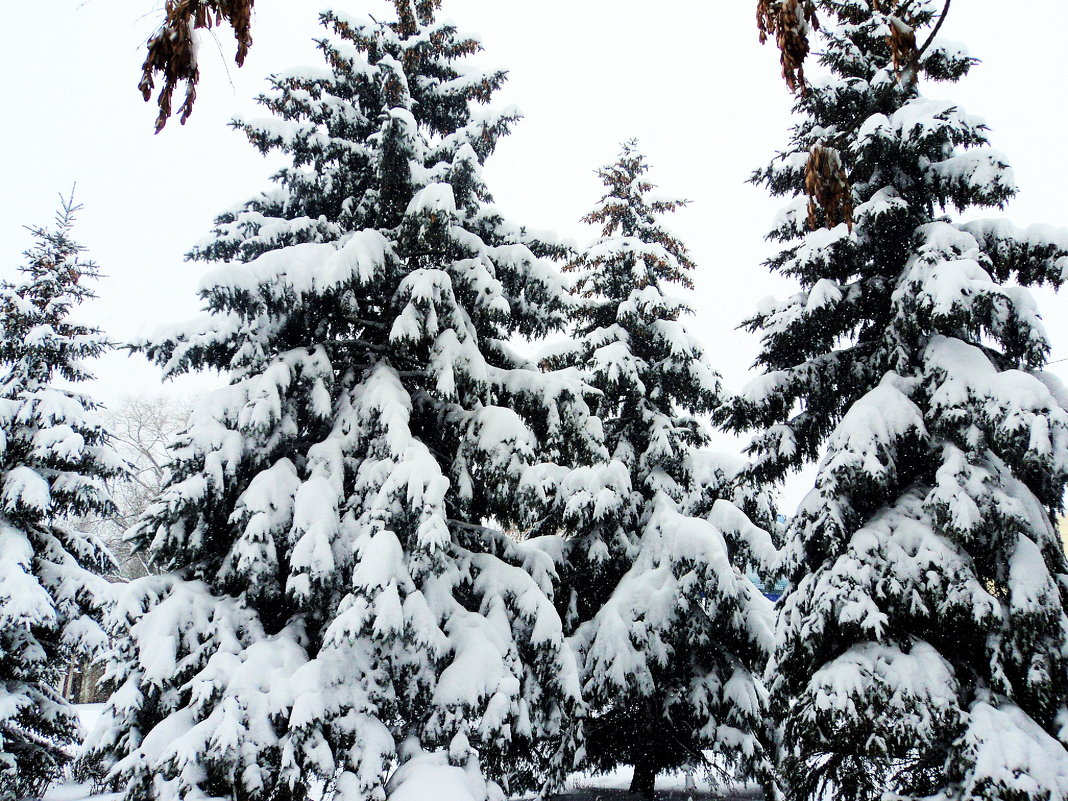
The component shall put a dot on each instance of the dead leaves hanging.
(788, 21)
(904, 53)
(172, 49)
(828, 189)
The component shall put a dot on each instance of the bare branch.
(934, 32)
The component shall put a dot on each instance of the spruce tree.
(922, 644)
(672, 637)
(55, 459)
(340, 598)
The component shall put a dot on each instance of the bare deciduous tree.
(142, 426)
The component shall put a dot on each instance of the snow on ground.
(669, 787)
(580, 787)
(89, 714)
(74, 791)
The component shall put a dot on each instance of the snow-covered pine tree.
(327, 123)
(55, 459)
(922, 646)
(672, 637)
(341, 598)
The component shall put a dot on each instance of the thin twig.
(934, 32)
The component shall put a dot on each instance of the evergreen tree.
(340, 597)
(54, 461)
(672, 636)
(922, 644)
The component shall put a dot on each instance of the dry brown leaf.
(172, 49)
(830, 195)
(903, 50)
(789, 22)
(902, 38)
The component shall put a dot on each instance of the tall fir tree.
(55, 460)
(922, 644)
(672, 637)
(341, 598)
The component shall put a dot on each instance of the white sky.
(687, 77)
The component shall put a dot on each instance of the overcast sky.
(686, 77)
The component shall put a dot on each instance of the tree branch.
(934, 32)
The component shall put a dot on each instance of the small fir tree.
(672, 637)
(341, 598)
(922, 645)
(54, 461)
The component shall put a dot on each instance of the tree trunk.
(644, 781)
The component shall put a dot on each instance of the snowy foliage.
(671, 636)
(922, 646)
(341, 597)
(55, 458)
